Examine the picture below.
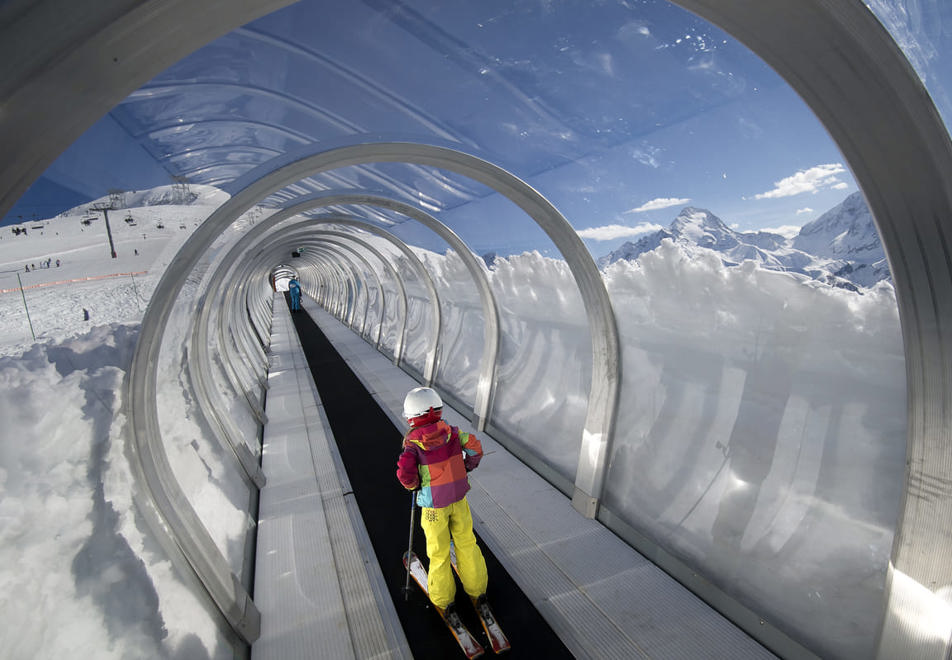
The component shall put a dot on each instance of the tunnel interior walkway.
(369, 444)
(561, 584)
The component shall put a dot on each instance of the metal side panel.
(315, 582)
(296, 584)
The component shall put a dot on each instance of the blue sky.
(621, 113)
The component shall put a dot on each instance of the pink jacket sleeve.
(407, 471)
(472, 450)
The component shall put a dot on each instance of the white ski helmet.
(419, 401)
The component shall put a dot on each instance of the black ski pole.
(406, 586)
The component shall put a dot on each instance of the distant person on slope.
(295, 289)
(433, 461)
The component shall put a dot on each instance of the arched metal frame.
(606, 365)
(491, 327)
(848, 69)
(261, 228)
(306, 229)
(436, 322)
(325, 239)
(249, 369)
(212, 405)
(349, 280)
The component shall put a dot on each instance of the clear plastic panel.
(208, 474)
(391, 320)
(418, 332)
(545, 362)
(923, 31)
(761, 437)
(371, 319)
(461, 337)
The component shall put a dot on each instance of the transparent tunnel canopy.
(761, 424)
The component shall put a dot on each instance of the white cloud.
(805, 209)
(611, 232)
(660, 203)
(807, 181)
(787, 231)
(647, 155)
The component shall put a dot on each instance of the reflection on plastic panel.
(762, 439)
(419, 333)
(462, 337)
(545, 363)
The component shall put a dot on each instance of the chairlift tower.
(181, 189)
(105, 207)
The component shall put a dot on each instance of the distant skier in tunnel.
(295, 290)
(433, 461)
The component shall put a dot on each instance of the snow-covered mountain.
(171, 195)
(847, 237)
(841, 247)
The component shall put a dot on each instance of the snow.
(79, 575)
(82, 575)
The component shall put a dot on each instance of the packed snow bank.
(81, 578)
(83, 574)
(762, 435)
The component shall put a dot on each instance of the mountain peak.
(838, 242)
(702, 228)
(846, 232)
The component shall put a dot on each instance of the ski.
(467, 642)
(497, 638)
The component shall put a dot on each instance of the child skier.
(295, 289)
(433, 461)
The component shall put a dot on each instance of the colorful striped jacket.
(433, 459)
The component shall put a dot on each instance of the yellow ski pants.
(440, 525)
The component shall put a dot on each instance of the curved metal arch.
(318, 244)
(429, 369)
(334, 279)
(346, 312)
(247, 241)
(230, 338)
(211, 404)
(485, 386)
(216, 286)
(331, 279)
(606, 363)
(254, 357)
(848, 69)
(216, 290)
(306, 228)
(259, 312)
(297, 233)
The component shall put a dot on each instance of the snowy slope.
(87, 277)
